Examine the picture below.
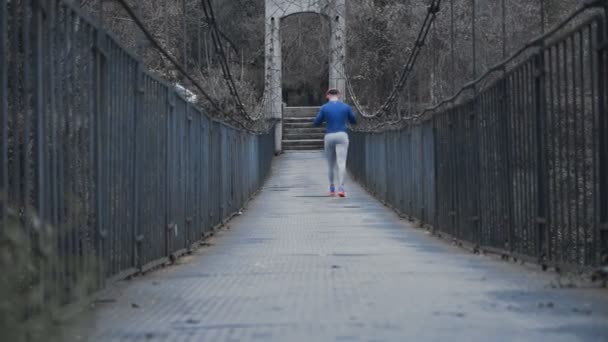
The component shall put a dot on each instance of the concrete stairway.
(298, 130)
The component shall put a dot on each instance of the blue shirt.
(336, 114)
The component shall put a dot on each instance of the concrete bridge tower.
(276, 10)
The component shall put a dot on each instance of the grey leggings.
(336, 150)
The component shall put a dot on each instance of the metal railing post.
(3, 112)
(602, 60)
(541, 236)
(100, 113)
(137, 236)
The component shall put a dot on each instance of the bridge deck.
(300, 267)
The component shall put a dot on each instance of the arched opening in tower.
(305, 49)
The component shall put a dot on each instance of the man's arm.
(351, 116)
(320, 118)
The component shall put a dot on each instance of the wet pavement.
(299, 266)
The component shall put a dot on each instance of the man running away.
(336, 114)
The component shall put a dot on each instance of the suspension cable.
(216, 35)
(407, 69)
(536, 42)
(219, 49)
(179, 67)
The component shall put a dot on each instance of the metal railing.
(123, 171)
(519, 167)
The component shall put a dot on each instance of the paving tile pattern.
(299, 266)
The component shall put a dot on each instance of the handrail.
(537, 42)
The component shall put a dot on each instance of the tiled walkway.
(299, 266)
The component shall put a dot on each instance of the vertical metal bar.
(565, 142)
(506, 113)
(569, 83)
(532, 99)
(3, 112)
(558, 125)
(127, 148)
(89, 248)
(603, 72)
(529, 100)
(54, 148)
(72, 149)
(550, 135)
(517, 154)
(421, 205)
(542, 247)
(602, 228)
(39, 112)
(123, 233)
(119, 176)
(184, 207)
(168, 166)
(482, 171)
(459, 196)
(128, 164)
(452, 170)
(435, 175)
(222, 192)
(136, 255)
(100, 113)
(474, 144)
(38, 144)
(206, 173)
(211, 167)
(402, 165)
(491, 157)
(85, 75)
(25, 155)
(58, 111)
(187, 186)
(583, 140)
(576, 222)
(14, 182)
(496, 141)
(555, 141)
(109, 188)
(116, 141)
(200, 176)
(434, 62)
(111, 238)
(596, 145)
(172, 174)
(512, 136)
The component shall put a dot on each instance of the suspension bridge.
(136, 215)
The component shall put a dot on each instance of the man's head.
(333, 94)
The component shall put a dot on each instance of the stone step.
(303, 142)
(304, 119)
(302, 136)
(306, 130)
(299, 133)
(303, 148)
(300, 111)
(290, 125)
(302, 108)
